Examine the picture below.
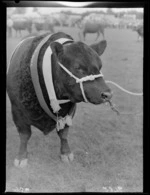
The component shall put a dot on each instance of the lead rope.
(113, 107)
(126, 91)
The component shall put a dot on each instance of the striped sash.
(47, 74)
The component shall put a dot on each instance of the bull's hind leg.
(65, 152)
(24, 131)
(84, 35)
(24, 134)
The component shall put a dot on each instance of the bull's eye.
(79, 69)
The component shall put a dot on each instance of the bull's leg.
(98, 34)
(103, 35)
(79, 34)
(24, 131)
(24, 134)
(65, 152)
(84, 35)
(20, 33)
(16, 33)
(138, 38)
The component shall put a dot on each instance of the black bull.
(80, 59)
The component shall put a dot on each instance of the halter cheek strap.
(81, 80)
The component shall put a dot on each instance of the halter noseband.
(81, 80)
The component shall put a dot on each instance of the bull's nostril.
(106, 95)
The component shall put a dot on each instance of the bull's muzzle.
(106, 96)
(81, 80)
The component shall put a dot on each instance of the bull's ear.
(56, 47)
(99, 47)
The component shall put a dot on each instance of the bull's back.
(19, 25)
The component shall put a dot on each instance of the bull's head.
(81, 61)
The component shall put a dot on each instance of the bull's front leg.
(98, 34)
(65, 151)
(103, 35)
(84, 35)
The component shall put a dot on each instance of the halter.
(81, 80)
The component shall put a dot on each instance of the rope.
(113, 107)
(128, 113)
(139, 113)
(129, 92)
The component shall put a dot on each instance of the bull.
(92, 27)
(139, 30)
(73, 72)
(39, 26)
(22, 24)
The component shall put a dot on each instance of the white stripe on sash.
(47, 72)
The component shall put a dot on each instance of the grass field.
(108, 149)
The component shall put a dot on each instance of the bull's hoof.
(21, 163)
(67, 157)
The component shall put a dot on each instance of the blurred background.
(25, 20)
